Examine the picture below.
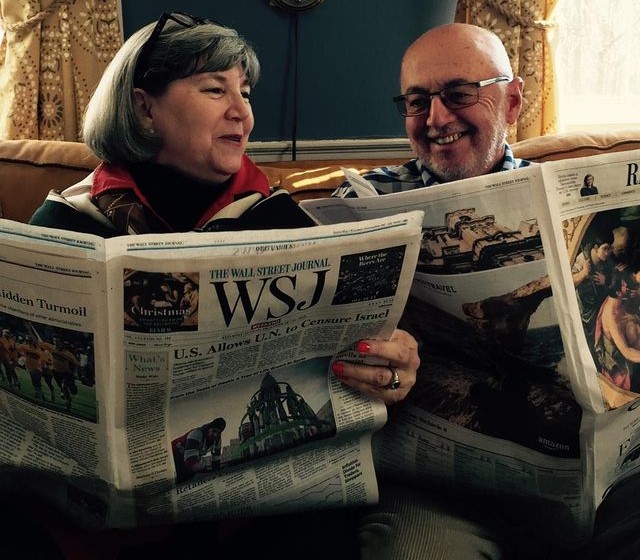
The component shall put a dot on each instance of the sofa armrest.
(576, 144)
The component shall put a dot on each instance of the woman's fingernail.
(338, 369)
(363, 347)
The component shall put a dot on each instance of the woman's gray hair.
(111, 127)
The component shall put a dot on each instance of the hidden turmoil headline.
(42, 303)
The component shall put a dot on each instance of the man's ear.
(142, 103)
(514, 99)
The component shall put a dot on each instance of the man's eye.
(418, 102)
(458, 96)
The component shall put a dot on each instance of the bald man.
(459, 97)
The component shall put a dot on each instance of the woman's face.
(603, 251)
(204, 122)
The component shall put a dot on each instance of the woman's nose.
(239, 107)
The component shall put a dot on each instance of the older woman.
(170, 119)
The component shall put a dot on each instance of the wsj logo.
(268, 298)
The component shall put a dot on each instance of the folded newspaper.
(159, 378)
(526, 301)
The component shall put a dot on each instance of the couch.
(30, 168)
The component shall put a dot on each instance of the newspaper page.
(493, 412)
(210, 364)
(594, 206)
(52, 291)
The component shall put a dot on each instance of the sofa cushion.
(29, 169)
(317, 179)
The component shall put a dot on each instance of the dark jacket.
(109, 203)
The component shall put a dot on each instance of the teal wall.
(348, 60)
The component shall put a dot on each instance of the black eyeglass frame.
(401, 105)
(181, 18)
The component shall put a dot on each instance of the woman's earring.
(152, 131)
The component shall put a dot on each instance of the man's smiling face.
(456, 144)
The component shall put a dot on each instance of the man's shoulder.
(412, 175)
(523, 163)
(387, 179)
(408, 171)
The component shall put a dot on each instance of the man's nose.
(438, 114)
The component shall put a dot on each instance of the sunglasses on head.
(185, 20)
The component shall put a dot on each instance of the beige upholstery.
(576, 144)
(30, 168)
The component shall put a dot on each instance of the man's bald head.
(459, 46)
(459, 142)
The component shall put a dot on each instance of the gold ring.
(395, 379)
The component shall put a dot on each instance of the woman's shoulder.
(53, 214)
(72, 210)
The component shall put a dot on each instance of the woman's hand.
(401, 351)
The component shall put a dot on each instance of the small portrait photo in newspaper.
(588, 187)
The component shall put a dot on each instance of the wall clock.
(295, 5)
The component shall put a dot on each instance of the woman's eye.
(215, 91)
(247, 96)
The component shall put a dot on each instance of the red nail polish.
(338, 369)
(363, 347)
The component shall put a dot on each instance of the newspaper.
(159, 378)
(525, 397)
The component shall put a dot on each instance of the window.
(597, 60)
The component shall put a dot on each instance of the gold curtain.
(52, 54)
(523, 26)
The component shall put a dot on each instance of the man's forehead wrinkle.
(435, 86)
(425, 76)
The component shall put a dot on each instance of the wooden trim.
(384, 148)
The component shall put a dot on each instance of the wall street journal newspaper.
(526, 300)
(155, 378)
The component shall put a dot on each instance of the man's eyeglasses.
(185, 20)
(454, 97)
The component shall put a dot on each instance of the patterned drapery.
(52, 55)
(522, 25)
